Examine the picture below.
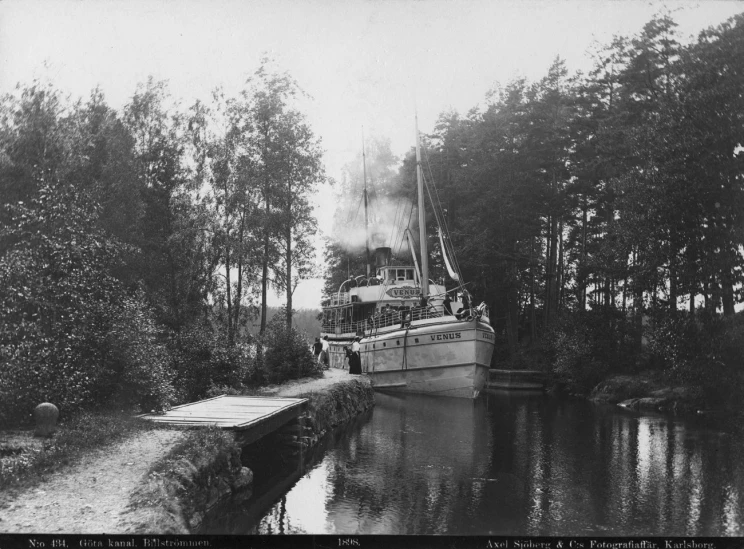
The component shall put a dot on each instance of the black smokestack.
(382, 257)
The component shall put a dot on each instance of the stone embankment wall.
(205, 470)
(330, 408)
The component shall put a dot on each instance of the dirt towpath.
(300, 387)
(90, 497)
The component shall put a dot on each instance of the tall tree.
(170, 245)
(32, 141)
(301, 170)
(268, 96)
(224, 169)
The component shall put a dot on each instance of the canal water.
(508, 464)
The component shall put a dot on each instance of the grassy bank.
(198, 472)
(25, 460)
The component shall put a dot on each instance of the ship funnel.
(382, 257)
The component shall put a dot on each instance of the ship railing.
(333, 327)
(340, 299)
(398, 317)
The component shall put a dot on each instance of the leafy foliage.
(702, 350)
(283, 353)
(586, 346)
(202, 360)
(124, 283)
(71, 335)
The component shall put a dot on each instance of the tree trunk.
(238, 298)
(552, 242)
(727, 292)
(560, 277)
(230, 334)
(715, 294)
(637, 306)
(638, 311)
(512, 314)
(625, 293)
(266, 250)
(264, 274)
(553, 267)
(289, 277)
(239, 290)
(673, 272)
(533, 327)
(607, 292)
(582, 291)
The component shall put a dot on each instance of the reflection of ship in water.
(409, 472)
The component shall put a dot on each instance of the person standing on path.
(317, 348)
(355, 361)
(325, 358)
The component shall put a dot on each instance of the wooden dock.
(249, 417)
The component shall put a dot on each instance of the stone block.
(243, 481)
(45, 417)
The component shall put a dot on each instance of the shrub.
(202, 360)
(703, 349)
(70, 333)
(282, 354)
(137, 370)
(586, 345)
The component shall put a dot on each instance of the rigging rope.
(403, 232)
(445, 226)
(395, 224)
(437, 207)
(349, 220)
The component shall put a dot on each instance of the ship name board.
(442, 337)
(403, 292)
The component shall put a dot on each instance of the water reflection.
(512, 464)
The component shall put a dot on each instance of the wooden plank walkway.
(250, 417)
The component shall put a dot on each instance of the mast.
(366, 219)
(422, 220)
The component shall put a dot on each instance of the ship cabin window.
(393, 275)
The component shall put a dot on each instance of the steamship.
(414, 339)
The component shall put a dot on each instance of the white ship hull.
(442, 356)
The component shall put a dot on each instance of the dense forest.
(136, 246)
(599, 215)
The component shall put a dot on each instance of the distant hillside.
(304, 320)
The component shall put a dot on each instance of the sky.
(364, 64)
